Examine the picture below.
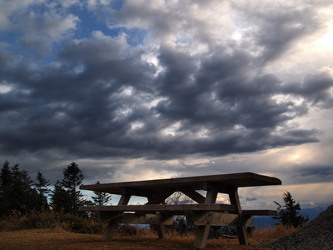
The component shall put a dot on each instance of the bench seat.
(161, 208)
(196, 214)
(259, 212)
(177, 208)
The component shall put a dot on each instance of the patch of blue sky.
(135, 36)
(182, 40)
(117, 4)
(10, 42)
(10, 39)
(89, 23)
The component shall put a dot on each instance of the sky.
(148, 89)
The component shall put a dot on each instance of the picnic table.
(204, 212)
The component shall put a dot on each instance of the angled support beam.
(203, 231)
(111, 229)
(160, 229)
(194, 195)
(157, 198)
(241, 230)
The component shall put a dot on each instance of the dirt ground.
(60, 239)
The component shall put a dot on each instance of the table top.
(235, 180)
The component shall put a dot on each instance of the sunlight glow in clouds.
(149, 89)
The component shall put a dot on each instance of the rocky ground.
(316, 235)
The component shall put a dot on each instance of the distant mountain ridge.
(268, 221)
(314, 235)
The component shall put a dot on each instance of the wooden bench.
(172, 208)
(203, 215)
(157, 214)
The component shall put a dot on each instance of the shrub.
(129, 230)
(46, 220)
(80, 225)
(32, 220)
(181, 227)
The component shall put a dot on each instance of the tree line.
(19, 193)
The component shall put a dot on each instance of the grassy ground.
(58, 238)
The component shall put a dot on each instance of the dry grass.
(49, 220)
(58, 238)
(270, 234)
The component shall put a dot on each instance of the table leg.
(157, 198)
(241, 230)
(111, 229)
(203, 231)
(160, 229)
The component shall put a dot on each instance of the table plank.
(246, 179)
(161, 208)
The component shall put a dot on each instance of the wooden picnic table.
(204, 212)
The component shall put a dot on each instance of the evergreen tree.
(5, 189)
(73, 177)
(16, 191)
(288, 213)
(101, 198)
(26, 197)
(60, 198)
(5, 175)
(42, 189)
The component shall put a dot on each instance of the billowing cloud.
(157, 81)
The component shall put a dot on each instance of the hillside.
(318, 234)
(268, 221)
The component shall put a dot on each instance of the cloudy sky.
(145, 89)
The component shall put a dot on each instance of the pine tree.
(60, 199)
(73, 177)
(288, 213)
(26, 197)
(5, 189)
(5, 175)
(42, 189)
(16, 191)
(101, 198)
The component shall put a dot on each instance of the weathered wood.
(161, 208)
(133, 191)
(193, 218)
(197, 183)
(159, 196)
(241, 230)
(160, 229)
(109, 232)
(111, 229)
(189, 217)
(191, 193)
(156, 198)
(220, 219)
(124, 199)
(204, 215)
(108, 217)
(203, 231)
(152, 219)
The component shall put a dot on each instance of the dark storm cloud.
(312, 174)
(314, 89)
(276, 28)
(99, 97)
